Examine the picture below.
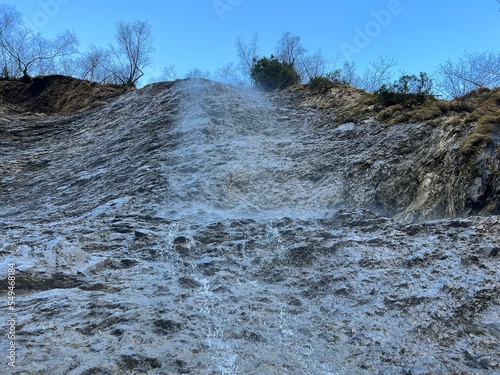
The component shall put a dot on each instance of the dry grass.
(429, 110)
(56, 94)
(481, 133)
(344, 102)
(480, 108)
(483, 107)
(425, 112)
(390, 112)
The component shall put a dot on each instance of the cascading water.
(236, 159)
(193, 227)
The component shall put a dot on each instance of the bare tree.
(169, 73)
(291, 51)
(25, 52)
(230, 73)
(35, 55)
(471, 71)
(378, 73)
(49, 53)
(133, 52)
(347, 73)
(96, 65)
(240, 73)
(289, 48)
(247, 53)
(313, 66)
(68, 66)
(197, 73)
(10, 18)
(10, 22)
(452, 81)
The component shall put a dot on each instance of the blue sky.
(419, 34)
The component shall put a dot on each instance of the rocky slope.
(192, 227)
(413, 162)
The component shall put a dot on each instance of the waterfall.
(195, 227)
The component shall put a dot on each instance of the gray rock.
(164, 233)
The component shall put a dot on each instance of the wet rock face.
(349, 293)
(213, 150)
(196, 228)
(413, 171)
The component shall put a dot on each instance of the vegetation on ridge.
(272, 74)
(25, 53)
(470, 82)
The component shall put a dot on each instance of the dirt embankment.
(55, 94)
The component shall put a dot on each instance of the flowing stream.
(239, 157)
(198, 228)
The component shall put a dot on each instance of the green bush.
(320, 83)
(271, 74)
(408, 90)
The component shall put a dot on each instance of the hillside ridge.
(445, 166)
(55, 94)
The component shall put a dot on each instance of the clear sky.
(419, 34)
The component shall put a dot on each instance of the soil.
(55, 94)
